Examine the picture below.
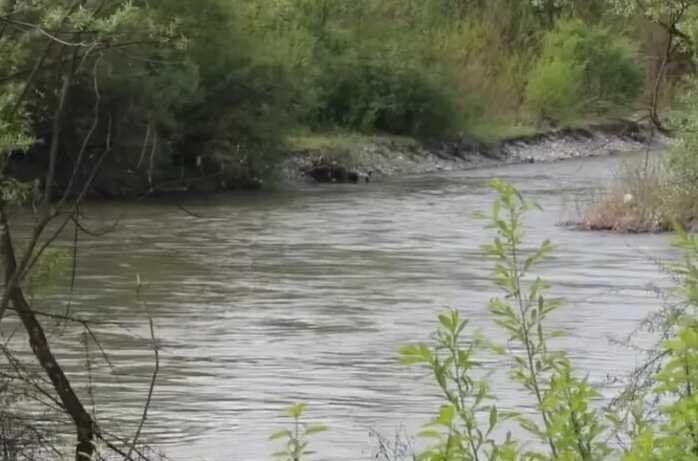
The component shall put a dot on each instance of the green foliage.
(679, 192)
(48, 270)
(675, 435)
(567, 424)
(554, 88)
(159, 83)
(583, 67)
(210, 90)
(382, 93)
(655, 10)
(571, 429)
(457, 431)
(348, 70)
(297, 437)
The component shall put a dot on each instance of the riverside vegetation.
(124, 98)
(210, 95)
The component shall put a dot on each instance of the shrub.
(583, 66)
(296, 438)
(657, 195)
(554, 88)
(383, 93)
(634, 203)
(680, 189)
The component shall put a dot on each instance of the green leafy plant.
(583, 68)
(570, 428)
(553, 88)
(456, 430)
(676, 434)
(567, 425)
(297, 437)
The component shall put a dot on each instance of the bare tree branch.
(156, 370)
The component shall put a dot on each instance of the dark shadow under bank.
(372, 158)
(365, 159)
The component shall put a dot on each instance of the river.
(305, 295)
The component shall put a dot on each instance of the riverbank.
(356, 158)
(346, 157)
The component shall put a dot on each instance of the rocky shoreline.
(375, 157)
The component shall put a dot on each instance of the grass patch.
(492, 132)
(332, 140)
(633, 203)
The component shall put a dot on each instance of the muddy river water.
(265, 299)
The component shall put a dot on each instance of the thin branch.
(116, 449)
(155, 371)
(75, 208)
(73, 272)
(88, 137)
(99, 345)
(55, 144)
(145, 142)
(30, 80)
(188, 212)
(100, 233)
(21, 25)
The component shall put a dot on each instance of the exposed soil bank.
(350, 158)
(370, 157)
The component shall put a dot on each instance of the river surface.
(305, 295)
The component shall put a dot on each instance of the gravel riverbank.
(368, 158)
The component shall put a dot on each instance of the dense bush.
(381, 94)
(554, 88)
(680, 193)
(583, 67)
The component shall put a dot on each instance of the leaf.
(280, 435)
(315, 429)
(295, 411)
(446, 322)
(446, 415)
(413, 354)
(530, 427)
(429, 434)
(493, 419)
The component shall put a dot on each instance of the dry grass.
(613, 213)
(632, 204)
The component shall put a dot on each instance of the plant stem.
(517, 274)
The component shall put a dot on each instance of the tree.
(54, 50)
(672, 16)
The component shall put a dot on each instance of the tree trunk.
(39, 344)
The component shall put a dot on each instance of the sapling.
(297, 437)
(465, 427)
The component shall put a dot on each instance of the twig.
(98, 233)
(189, 212)
(88, 137)
(116, 449)
(148, 130)
(155, 371)
(73, 273)
(88, 366)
